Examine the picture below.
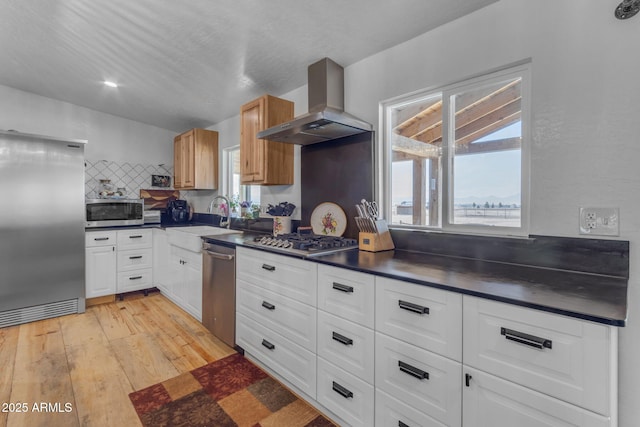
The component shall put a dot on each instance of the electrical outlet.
(600, 221)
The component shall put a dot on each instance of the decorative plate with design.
(328, 219)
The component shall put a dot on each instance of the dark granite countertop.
(588, 296)
(594, 297)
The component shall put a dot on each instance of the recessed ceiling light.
(110, 84)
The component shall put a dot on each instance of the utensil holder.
(281, 225)
(376, 242)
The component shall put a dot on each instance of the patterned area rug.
(228, 392)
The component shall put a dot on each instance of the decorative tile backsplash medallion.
(131, 176)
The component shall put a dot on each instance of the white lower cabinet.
(346, 344)
(424, 357)
(100, 271)
(346, 395)
(118, 261)
(393, 412)
(276, 315)
(490, 401)
(294, 363)
(290, 318)
(161, 254)
(184, 286)
(135, 260)
(420, 378)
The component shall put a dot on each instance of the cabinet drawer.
(290, 318)
(421, 379)
(134, 280)
(426, 317)
(564, 357)
(288, 276)
(392, 412)
(99, 238)
(347, 294)
(346, 344)
(135, 259)
(294, 363)
(344, 394)
(137, 238)
(491, 401)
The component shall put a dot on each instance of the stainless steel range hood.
(326, 119)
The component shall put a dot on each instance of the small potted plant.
(255, 211)
(233, 205)
(244, 208)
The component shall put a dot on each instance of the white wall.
(109, 137)
(585, 149)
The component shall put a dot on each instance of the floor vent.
(38, 312)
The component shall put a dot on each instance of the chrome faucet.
(226, 223)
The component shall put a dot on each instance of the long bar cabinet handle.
(406, 305)
(413, 371)
(341, 339)
(268, 267)
(342, 391)
(523, 338)
(268, 305)
(342, 288)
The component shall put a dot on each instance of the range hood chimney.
(326, 119)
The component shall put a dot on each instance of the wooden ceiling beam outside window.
(480, 113)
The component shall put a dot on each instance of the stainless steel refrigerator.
(42, 272)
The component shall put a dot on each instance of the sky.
(479, 175)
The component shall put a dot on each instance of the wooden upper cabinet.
(265, 162)
(195, 160)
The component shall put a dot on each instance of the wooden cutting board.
(158, 199)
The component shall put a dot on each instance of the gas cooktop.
(303, 244)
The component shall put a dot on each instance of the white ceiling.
(192, 63)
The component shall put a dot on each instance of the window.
(456, 157)
(232, 184)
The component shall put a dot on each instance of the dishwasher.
(219, 291)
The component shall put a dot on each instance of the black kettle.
(178, 211)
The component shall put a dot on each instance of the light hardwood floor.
(93, 360)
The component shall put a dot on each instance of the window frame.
(520, 70)
(227, 175)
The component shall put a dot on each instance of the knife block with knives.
(374, 233)
(377, 241)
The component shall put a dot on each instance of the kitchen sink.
(189, 237)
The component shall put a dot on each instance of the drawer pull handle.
(342, 391)
(268, 345)
(522, 338)
(467, 379)
(136, 237)
(268, 306)
(401, 424)
(135, 257)
(342, 339)
(406, 305)
(413, 371)
(268, 267)
(98, 239)
(342, 288)
(135, 277)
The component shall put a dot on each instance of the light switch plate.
(600, 221)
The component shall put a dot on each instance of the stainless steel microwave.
(114, 212)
